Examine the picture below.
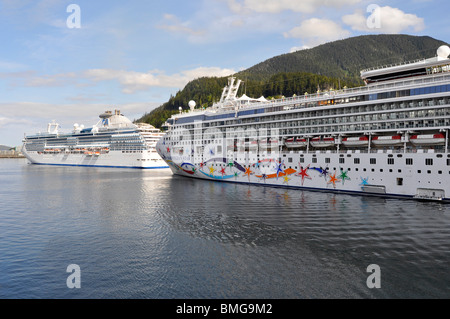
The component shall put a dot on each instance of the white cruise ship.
(387, 138)
(113, 142)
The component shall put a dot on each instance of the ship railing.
(349, 92)
(393, 65)
(301, 101)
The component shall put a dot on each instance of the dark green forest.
(331, 65)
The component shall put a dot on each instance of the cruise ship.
(386, 138)
(113, 142)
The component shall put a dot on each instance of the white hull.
(398, 179)
(112, 159)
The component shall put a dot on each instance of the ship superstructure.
(389, 137)
(113, 142)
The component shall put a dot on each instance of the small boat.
(295, 142)
(387, 140)
(427, 139)
(271, 143)
(355, 141)
(322, 142)
(253, 145)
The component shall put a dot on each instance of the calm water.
(148, 234)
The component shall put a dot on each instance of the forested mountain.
(331, 65)
(346, 58)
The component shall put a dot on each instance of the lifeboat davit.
(355, 141)
(295, 142)
(322, 142)
(387, 140)
(427, 139)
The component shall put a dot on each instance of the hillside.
(346, 58)
(326, 66)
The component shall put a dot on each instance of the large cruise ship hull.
(322, 171)
(115, 159)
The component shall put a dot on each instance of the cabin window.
(356, 160)
(327, 160)
(314, 160)
(290, 160)
(428, 161)
(341, 160)
(373, 161)
(399, 181)
(390, 161)
(409, 161)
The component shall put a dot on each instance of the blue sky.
(132, 55)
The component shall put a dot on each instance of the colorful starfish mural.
(279, 168)
(248, 172)
(364, 181)
(303, 173)
(333, 180)
(343, 176)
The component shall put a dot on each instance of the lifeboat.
(295, 142)
(322, 142)
(427, 139)
(387, 140)
(271, 143)
(253, 145)
(355, 141)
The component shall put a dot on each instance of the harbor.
(148, 234)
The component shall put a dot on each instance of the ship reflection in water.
(151, 234)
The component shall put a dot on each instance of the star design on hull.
(324, 172)
(333, 180)
(211, 170)
(248, 172)
(286, 179)
(343, 176)
(222, 171)
(364, 181)
(279, 169)
(303, 173)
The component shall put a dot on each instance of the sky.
(71, 60)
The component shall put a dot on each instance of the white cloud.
(384, 20)
(174, 25)
(316, 31)
(132, 81)
(277, 6)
